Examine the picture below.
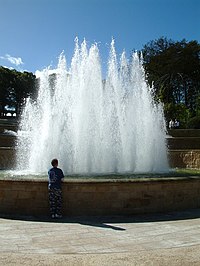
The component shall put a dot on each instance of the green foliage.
(177, 111)
(15, 87)
(173, 69)
(194, 122)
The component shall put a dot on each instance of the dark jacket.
(55, 177)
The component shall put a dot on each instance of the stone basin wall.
(111, 197)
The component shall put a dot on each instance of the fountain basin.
(101, 196)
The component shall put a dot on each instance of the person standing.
(176, 123)
(171, 124)
(55, 176)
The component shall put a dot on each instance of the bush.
(194, 122)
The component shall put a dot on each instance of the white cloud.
(11, 68)
(17, 61)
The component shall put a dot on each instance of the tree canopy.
(15, 87)
(173, 69)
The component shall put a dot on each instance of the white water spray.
(93, 126)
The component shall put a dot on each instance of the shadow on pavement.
(102, 225)
(102, 221)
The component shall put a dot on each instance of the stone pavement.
(156, 239)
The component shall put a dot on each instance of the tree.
(5, 87)
(15, 87)
(173, 68)
(24, 84)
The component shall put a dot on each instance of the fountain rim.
(94, 179)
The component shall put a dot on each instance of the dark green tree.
(5, 88)
(173, 68)
(24, 86)
(15, 87)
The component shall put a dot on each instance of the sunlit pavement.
(140, 234)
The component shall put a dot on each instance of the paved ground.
(170, 239)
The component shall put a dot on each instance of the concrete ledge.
(111, 197)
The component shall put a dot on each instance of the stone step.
(8, 125)
(7, 128)
(10, 121)
(7, 140)
(182, 143)
(184, 132)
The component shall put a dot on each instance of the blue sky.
(33, 33)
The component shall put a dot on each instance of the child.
(56, 176)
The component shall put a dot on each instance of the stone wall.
(7, 140)
(184, 159)
(112, 197)
(7, 158)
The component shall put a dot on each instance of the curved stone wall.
(110, 197)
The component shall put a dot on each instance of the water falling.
(93, 126)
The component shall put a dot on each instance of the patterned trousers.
(55, 201)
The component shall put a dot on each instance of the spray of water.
(93, 126)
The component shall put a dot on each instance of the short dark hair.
(54, 162)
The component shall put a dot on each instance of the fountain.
(93, 126)
(109, 136)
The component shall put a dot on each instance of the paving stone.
(100, 235)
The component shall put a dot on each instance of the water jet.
(93, 125)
